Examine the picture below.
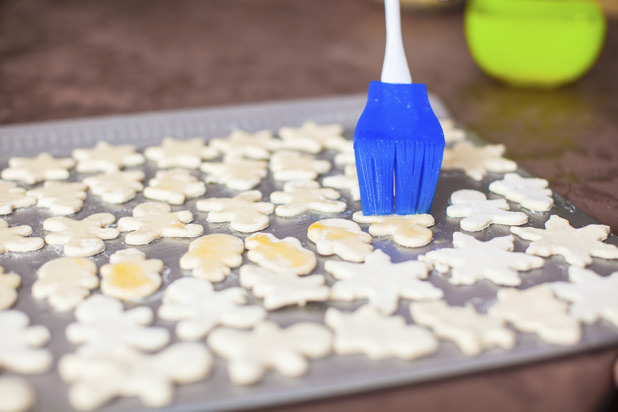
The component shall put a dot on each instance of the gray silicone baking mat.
(333, 375)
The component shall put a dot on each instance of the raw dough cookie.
(105, 157)
(210, 257)
(65, 282)
(346, 155)
(405, 230)
(180, 153)
(312, 137)
(340, 237)
(129, 276)
(531, 193)
(13, 197)
(174, 186)
(251, 353)
(116, 187)
(382, 282)
(478, 212)
(537, 310)
(280, 255)
(236, 173)
(279, 289)
(471, 331)
(12, 238)
(378, 336)
(16, 395)
(577, 246)
(592, 296)
(95, 381)
(32, 170)
(348, 180)
(81, 238)
(452, 133)
(300, 196)
(239, 143)
(473, 260)
(20, 344)
(152, 220)
(104, 327)
(198, 308)
(289, 165)
(60, 198)
(244, 211)
(476, 161)
(9, 282)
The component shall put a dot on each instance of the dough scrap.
(471, 331)
(9, 282)
(81, 238)
(378, 336)
(340, 237)
(116, 187)
(210, 257)
(405, 230)
(65, 282)
(280, 255)
(382, 282)
(289, 165)
(20, 350)
(36, 169)
(244, 211)
(279, 289)
(300, 196)
(476, 161)
(348, 180)
(239, 143)
(313, 137)
(152, 220)
(174, 186)
(251, 353)
(472, 260)
(478, 212)
(180, 153)
(59, 197)
(577, 246)
(531, 193)
(129, 276)
(16, 395)
(198, 308)
(13, 197)
(13, 239)
(236, 173)
(104, 157)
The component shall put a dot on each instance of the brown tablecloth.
(74, 58)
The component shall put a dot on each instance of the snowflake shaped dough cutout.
(174, 186)
(340, 237)
(472, 260)
(211, 257)
(471, 331)
(13, 197)
(152, 220)
(577, 246)
(16, 395)
(9, 282)
(126, 373)
(348, 180)
(346, 155)
(103, 327)
(378, 336)
(36, 169)
(13, 239)
(130, 276)
(20, 350)
(116, 187)
(478, 212)
(280, 255)
(244, 211)
(81, 238)
(279, 289)
(537, 310)
(180, 153)
(289, 165)
(312, 137)
(476, 161)
(452, 133)
(531, 193)
(239, 143)
(105, 157)
(65, 282)
(405, 230)
(236, 173)
(300, 196)
(251, 353)
(198, 308)
(382, 282)
(60, 198)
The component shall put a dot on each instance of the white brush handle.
(395, 68)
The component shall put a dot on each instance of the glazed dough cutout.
(478, 212)
(36, 169)
(244, 211)
(348, 180)
(174, 186)
(210, 257)
(312, 137)
(300, 196)
(476, 161)
(12, 239)
(130, 276)
(236, 173)
(59, 197)
(104, 157)
(531, 193)
(280, 255)
(81, 238)
(20, 350)
(116, 187)
(180, 153)
(239, 143)
(288, 165)
(405, 230)
(340, 237)
(9, 282)
(16, 394)
(13, 197)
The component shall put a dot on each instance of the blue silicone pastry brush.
(398, 138)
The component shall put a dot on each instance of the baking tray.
(330, 376)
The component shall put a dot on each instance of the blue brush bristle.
(398, 144)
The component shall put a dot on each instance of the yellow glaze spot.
(279, 250)
(214, 247)
(79, 261)
(127, 276)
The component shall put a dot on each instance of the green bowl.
(541, 43)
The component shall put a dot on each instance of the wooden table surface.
(71, 58)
